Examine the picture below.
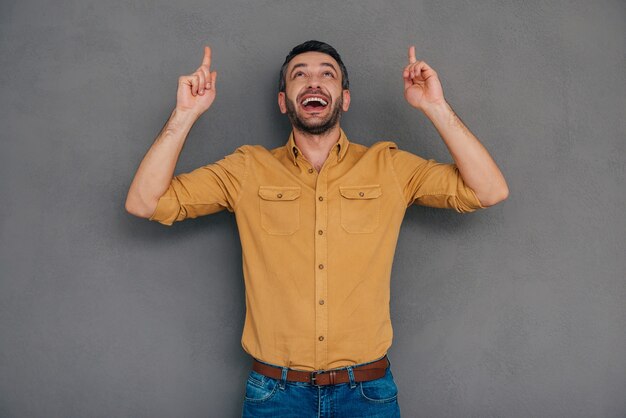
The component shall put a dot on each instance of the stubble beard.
(314, 128)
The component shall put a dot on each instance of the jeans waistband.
(337, 368)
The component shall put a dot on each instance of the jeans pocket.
(380, 390)
(260, 388)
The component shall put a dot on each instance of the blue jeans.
(268, 397)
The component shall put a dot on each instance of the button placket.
(321, 267)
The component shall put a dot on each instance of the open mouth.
(314, 103)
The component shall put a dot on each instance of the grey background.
(515, 311)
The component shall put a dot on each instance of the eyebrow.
(324, 64)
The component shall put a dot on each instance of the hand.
(422, 87)
(196, 91)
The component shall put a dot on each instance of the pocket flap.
(279, 192)
(361, 192)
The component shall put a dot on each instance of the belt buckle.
(313, 378)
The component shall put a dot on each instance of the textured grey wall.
(515, 311)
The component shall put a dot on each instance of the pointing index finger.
(412, 58)
(207, 57)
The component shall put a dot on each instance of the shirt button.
(320, 198)
(310, 170)
(321, 338)
(361, 194)
(320, 232)
(321, 266)
(279, 195)
(321, 301)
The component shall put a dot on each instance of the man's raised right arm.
(195, 95)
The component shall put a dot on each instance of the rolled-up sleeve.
(203, 191)
(430, 183)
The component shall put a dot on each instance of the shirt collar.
(340, 147)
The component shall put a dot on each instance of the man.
(318, 220)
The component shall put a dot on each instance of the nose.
(315, 81)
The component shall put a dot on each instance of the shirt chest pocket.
(279, 207)
(360, 207)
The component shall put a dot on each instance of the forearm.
(156, 170)
(478, 169)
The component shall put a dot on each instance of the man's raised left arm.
(423, 91)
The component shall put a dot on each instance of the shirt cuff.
(166, 211)
(469, 202)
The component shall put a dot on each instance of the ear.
(281, 102)
(346, 100)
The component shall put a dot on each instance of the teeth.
(317, 99)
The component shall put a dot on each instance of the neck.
(316, 147)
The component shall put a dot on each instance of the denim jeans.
(268, 397)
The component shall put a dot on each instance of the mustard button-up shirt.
(317, 247)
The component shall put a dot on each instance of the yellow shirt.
(317, 248)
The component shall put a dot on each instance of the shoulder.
(376, 148)
(384, 145)
(254, 151)
(251, 149)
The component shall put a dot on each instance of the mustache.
(315, 92)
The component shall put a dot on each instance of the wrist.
(184, 116)
(436, 109)
(181, 121)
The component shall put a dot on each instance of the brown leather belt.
(361, 373)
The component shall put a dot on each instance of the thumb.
(407, 80)
(211, 80)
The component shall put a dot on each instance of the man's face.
(313, 97)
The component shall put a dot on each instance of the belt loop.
(283, 378)
(351, 376)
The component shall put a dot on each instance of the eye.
(328, 72)
(298, 73)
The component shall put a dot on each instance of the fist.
(196, 91)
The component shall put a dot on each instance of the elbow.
(131, 209)
(505, 193)
(495, 197)
(137, 209)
